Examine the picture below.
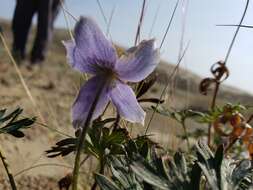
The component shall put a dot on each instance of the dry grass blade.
(137, 37)
(169, 25)
(166, 86)
(67, 20)
(41, 165)
(236, 32)
(236, 25)
(28, 92)
(154, 21)
(110, 20)
(102, 12)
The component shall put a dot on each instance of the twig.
(242, 26)
(137, 36)
(217, 84)
(110, 20)
(9, 174)
(166, 86)
(42, 165)
(170, 21)
(236, 32)
(154, 21)
(28, 92)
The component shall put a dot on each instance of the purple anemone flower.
(92, 53)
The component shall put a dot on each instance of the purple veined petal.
(138, 64)
(85, 99)
(123, 98)
(75, 59)
(91, 50)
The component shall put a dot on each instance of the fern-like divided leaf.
(208, 171)
(224, 173)
(11, 124)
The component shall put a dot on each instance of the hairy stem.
(81, 139)
(6, 167)
(186, 135)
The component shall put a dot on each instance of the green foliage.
(11, 124)
(208, 171)
(100, 142)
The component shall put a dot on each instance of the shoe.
(18, 56)
(38, 59)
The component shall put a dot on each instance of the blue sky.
(208, 43)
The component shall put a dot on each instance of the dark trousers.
(47, 11)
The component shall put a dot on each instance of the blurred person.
(47, 11)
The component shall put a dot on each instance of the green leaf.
(105, 183)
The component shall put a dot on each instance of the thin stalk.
(186, 135)
(101, 171)
(107, 23)
(67, 20)
(110, 21)
(137, 37)
(236, 32)
(166, 87)
(169, 25)
(84, 160)
(42, 165)
(9, 174)
(242, 26)
(81, 139)
(216, 90)
(116, 123)
(22, 80)
(154, 21)
(217, 85)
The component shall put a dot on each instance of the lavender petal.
(85, 99)
(123, 98)
(137, 65)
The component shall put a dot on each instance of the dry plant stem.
(81, 139)
(154, 21)
(250, 119)
(236, 32)
(230, 145)
(42, 165)
(216, 90)
(116, 123)
(137, 37)
(84, 160)
(217, 84)
(66, 20)
(242, 26)
(165, 88)
(6, 167)
(169, 25)
(28, 92)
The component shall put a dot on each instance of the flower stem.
(6, 166)
(186, 136)
(81, 139)
(101, 171)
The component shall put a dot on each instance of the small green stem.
(6, 166)
(101, 171)
(81, 139)
(186, 135)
